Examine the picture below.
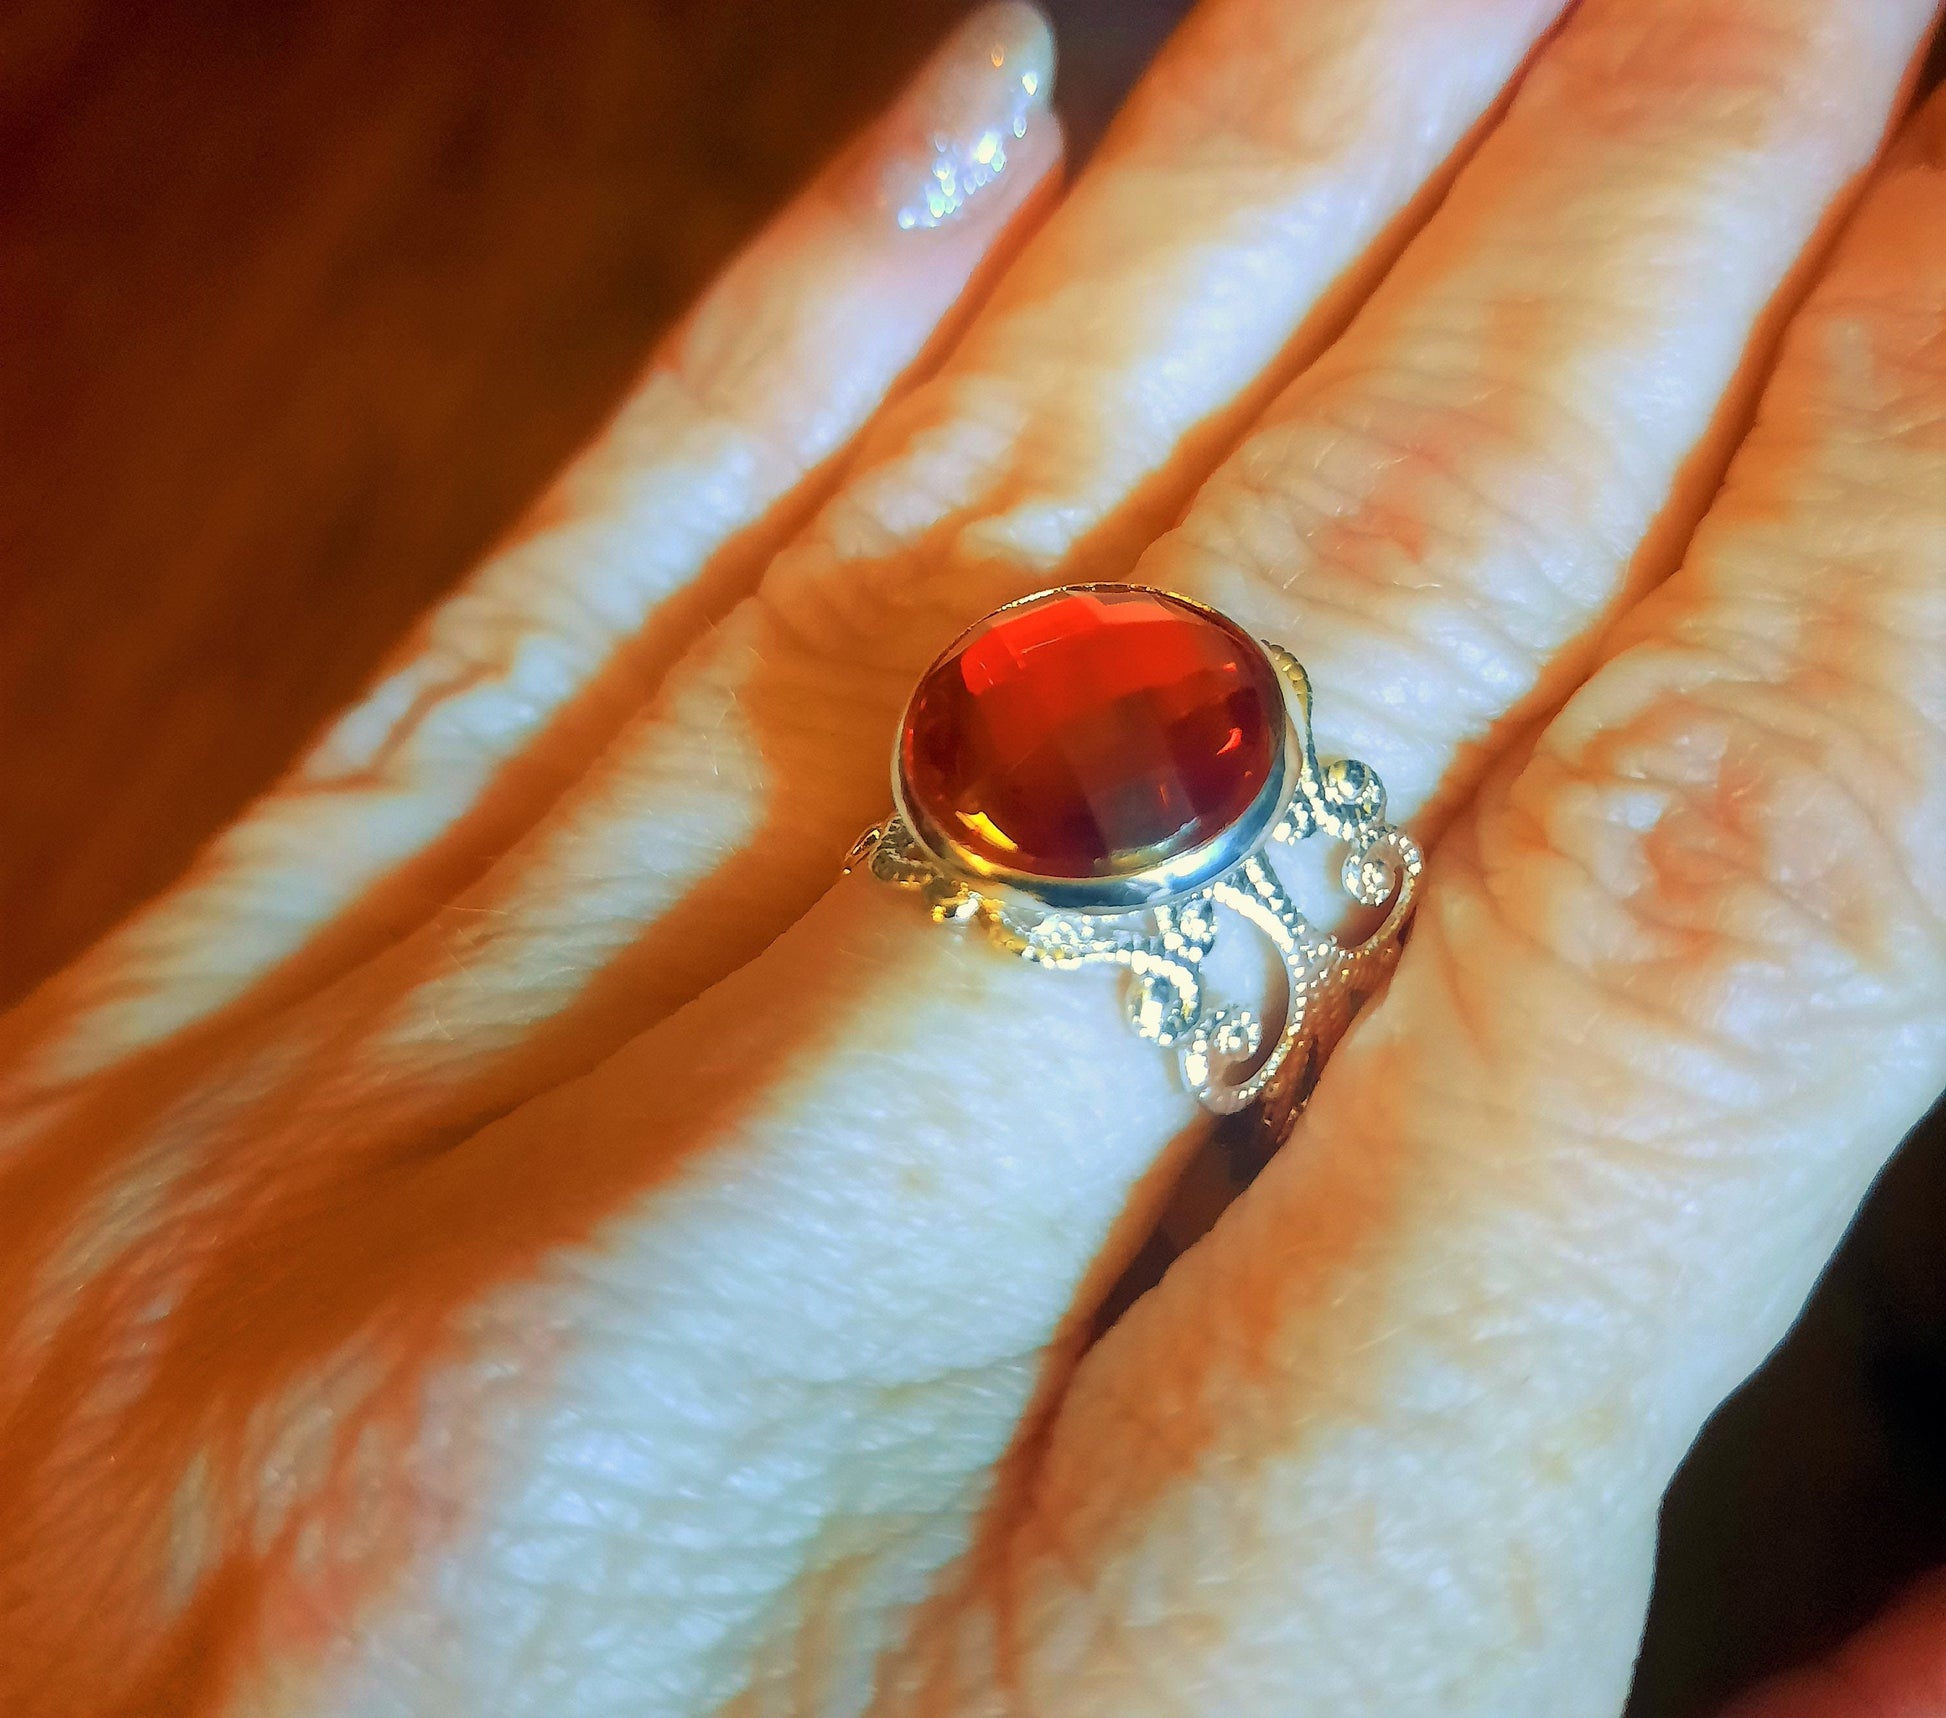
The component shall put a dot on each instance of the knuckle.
(1386, 493)
(1750, 73)
(1739, 825)
(1429, 562)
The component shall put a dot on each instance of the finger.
(1262, 174)
(1435, 520)
(1392, 1438)
(1260, 158)
(509, 685)
(1517, 434)
(1520, 430)
(1896, 1668)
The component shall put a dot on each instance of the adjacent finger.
(1519, 431)
(1267, 148)
(509, 685)
(1241, 183)
(1261, 175)
(1392, 1437)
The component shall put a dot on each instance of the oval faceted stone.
(1092, 732)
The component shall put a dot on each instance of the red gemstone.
(1090, 732)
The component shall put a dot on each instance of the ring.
(1088, 774)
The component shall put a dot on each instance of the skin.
(506, 1234)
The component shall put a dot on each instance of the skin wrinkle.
(1743, 58)
(377, 766)
(1711, 838)
(1331, 571)
(1512, 531)
(1849, 917)
(819, 1603)
(1797, 722)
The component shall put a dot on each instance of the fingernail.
(967, 111)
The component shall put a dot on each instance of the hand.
(507, 1235)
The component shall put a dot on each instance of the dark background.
(302, 300)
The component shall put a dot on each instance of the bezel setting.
(1148, 879)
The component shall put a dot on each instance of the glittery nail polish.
(968, 109)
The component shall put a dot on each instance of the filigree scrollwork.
(1219, 1046)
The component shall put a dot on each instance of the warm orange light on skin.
(239, 1476)
(216, 1345)
(733, 433)
(234, 1357)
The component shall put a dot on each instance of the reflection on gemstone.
(1090, 732)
